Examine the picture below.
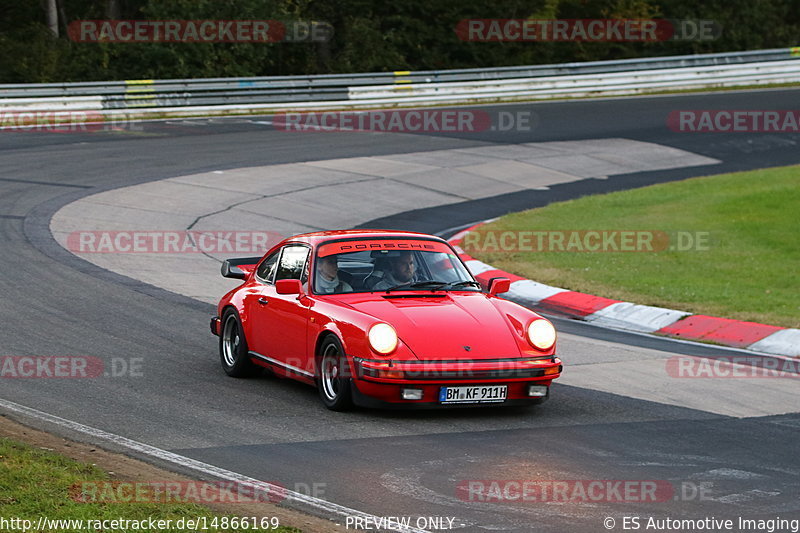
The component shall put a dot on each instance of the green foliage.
(367, 36)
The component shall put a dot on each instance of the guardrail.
(248, 95)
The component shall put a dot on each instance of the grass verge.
(741, 232)
(37, 483)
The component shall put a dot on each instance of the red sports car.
(383, 318)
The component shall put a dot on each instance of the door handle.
(263, 301)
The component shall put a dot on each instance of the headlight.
(383, 338)
(541, 334)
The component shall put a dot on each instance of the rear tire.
(233, 352)
(332, 381)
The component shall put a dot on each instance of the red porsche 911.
(383, 319)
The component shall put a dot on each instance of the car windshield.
(386, 266)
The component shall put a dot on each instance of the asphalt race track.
(727, 451)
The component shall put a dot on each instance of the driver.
(327, 279)
(401, 270)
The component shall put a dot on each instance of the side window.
(267, 267)
(306, 269)
(292, 263)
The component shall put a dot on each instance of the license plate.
(474, 394)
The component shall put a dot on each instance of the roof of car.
(320, 237)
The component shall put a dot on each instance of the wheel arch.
(326, 333)
(227, 307)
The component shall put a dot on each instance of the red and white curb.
(616, 314)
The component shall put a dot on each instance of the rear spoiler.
(239, 267)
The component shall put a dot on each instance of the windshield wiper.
(413, 285)
(456, 284)
(437, 285)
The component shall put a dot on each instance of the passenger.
(327, 278)
(401, 270)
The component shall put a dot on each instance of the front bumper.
(381, 382)
(215, 325)
(389, 397)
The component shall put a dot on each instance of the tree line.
(364, 36)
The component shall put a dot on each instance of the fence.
(402, 88)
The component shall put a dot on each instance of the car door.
(281, 320)
(256, 296)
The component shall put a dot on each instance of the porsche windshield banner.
(343, 247)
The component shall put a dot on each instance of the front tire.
(332, 381)
(233, 352)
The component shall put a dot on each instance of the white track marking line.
(329, 508)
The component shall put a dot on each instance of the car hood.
(453, 326)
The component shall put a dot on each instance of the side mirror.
(499, 285)
(288, 286)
